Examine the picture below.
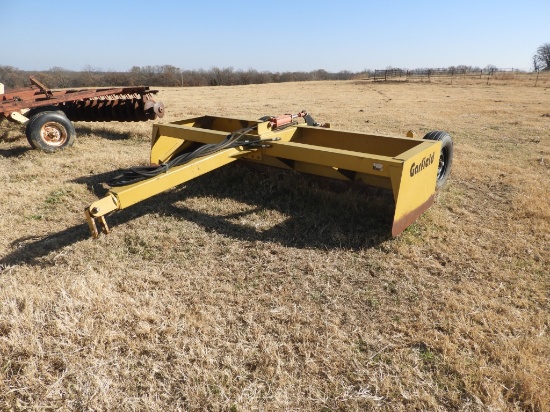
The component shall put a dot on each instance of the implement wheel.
(50, 131)
(445, 156)
(36, 110)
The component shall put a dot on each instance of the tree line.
(161, 76)
(171, 76)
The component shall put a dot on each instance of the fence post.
(537, 79)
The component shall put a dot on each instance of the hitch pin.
(92, 223)
(95, 214)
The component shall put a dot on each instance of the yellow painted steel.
(125, 196)
(129, 195)
(406, 166)
(413, 183)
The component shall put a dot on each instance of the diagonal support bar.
(122, 197)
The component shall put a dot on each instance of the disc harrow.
(42, 109)
(116, 107)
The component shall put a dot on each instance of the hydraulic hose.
(139, 173)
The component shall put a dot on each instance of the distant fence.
(428, 74)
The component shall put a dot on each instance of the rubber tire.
(35, 110)
(445, 156)
(59, 121)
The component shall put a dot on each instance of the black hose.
(137, 174)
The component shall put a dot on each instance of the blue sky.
(271, 35)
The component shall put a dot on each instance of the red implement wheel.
(50, 131)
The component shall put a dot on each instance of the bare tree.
(60, 76)
(535, 63)
(541, 60)
(490, 69)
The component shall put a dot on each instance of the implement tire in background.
(50, 131)
(445, 156)
(35, 110)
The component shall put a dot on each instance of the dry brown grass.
(248, 290)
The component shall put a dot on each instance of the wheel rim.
(54, 134)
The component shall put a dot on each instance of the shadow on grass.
(319, 214)
(14, 152)
(103, 132)
(29, 249)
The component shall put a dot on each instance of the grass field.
(262, 290)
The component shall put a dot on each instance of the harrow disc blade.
(120, 108)
(158, 108)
